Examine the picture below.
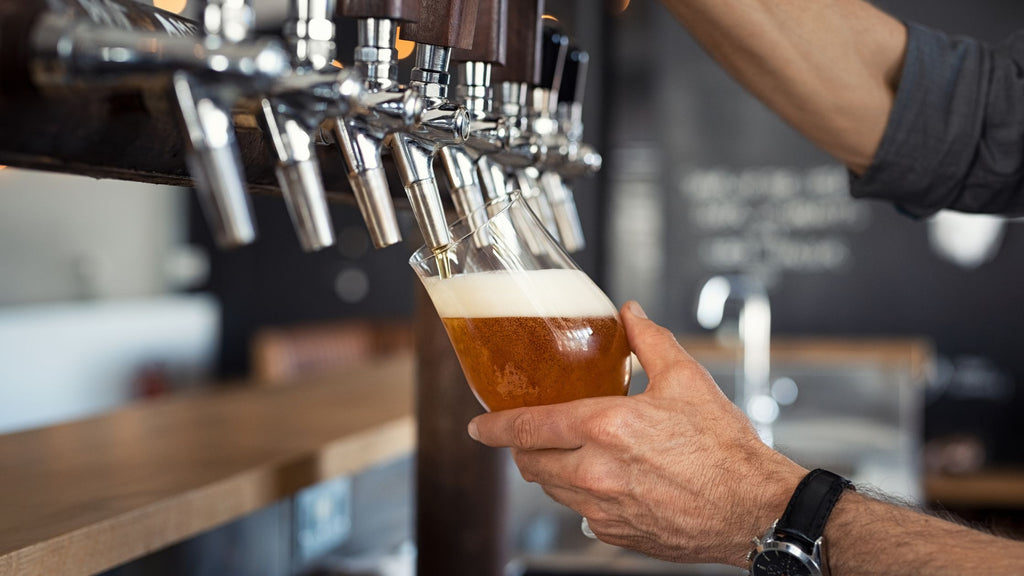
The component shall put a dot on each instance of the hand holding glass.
(528, 326)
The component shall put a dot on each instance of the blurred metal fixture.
(292, 111)
(442, 124)
(389, 107)
(753, 394)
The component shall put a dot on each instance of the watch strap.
(811, 504)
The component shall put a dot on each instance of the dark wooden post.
(460, 484)
(460, 487)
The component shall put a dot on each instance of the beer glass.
(528, 326)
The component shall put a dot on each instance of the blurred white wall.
(70, 237)
(89, 316)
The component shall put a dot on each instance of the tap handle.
(574, 77)
(214, 161)
(444, 23)
(405, 10)
(490, 38)
(554, 47)
(521, 62)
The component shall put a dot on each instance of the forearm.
(828, 67)
(867, 537)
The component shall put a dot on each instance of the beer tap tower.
(488, 131)
(514, 81)
(443, 25)
(214, 76)
(394, 107)
(544, 123)
(217, 73)
(292, 114)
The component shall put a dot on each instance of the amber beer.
(534, 337)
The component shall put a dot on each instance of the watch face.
(778, 563)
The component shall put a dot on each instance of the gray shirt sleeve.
(955, 136)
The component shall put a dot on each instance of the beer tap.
(205, 103)
(211, 67)
(574, 158)
(579, 158)
(390, 108)
(290, 116)
(544, 122)
(493, 142)
(488, 132)
(515, 80)
(444, 25)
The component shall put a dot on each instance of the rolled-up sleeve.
(955, 136)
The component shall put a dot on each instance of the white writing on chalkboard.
(771, 219)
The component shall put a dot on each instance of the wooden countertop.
(86, 496)
(984, 489)
(915, 356)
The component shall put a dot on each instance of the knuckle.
(524, 431)
(609, 426)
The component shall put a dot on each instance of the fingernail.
(473, 433)
(636, 310)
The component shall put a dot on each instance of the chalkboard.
(703, 179)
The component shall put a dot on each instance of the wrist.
(766, 499)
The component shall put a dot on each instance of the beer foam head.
(535, 293)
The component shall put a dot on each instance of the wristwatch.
(794, 546)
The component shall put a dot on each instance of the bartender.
(921, 119)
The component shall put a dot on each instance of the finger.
(534, 428)
(655, 346)
(546, 467)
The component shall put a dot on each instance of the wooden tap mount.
(490, 39)
(444, 23)
(405, 10)
(524, 36)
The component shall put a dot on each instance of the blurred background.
(111, 292)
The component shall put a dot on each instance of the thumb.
(656, 348)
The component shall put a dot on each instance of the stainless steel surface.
(512, 98)
(462, 177)
(414, 157)
(425, 200)
(70, 52)
(298, 174)
(231, 20)
(754, 318)
(214, 162)
(527, 180)
(389, 107)
(309, 30)
(430, 74)
(375, 54)
(493, 181)
(563, 209)
(473, 87)
(369, 187)
(441, 124)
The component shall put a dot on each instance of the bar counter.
(83, 497)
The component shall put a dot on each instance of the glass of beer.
(528, 326)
